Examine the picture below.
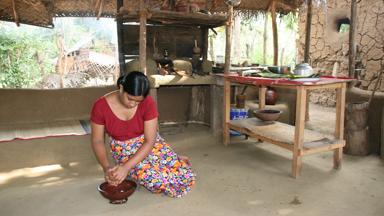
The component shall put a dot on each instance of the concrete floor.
(246, 178)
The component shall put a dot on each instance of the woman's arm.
(150, 131)
(97, 140)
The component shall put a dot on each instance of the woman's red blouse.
(119, 129)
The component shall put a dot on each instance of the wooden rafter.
(15, 15)
(99, 8)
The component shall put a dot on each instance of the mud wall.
(20, 106)
(329, 47)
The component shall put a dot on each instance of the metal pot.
(303, 69)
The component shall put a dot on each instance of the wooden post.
(205, 43)
(308, 31)
(120, 38)
(352, 40)
(299, 130)
(275, 36)
(227, 107)
(228, 41)
(307, 47)
(339, 127)
(143, 38)
(265, 39)
(262, 91)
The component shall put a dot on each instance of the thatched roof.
(41, 12)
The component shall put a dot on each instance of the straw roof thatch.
(41, 12)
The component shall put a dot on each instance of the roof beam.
(15, 15)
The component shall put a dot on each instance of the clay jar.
(240, 100)
(270, 96)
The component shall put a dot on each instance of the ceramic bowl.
(267, 114)
(117, 194)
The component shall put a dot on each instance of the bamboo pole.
(100, 9)
(308, 31)
(275, 36)
(143, 37)
(228, 41)
(15, 14)
(307, 47)
(265, 39)
(352, 40)
(120, 38)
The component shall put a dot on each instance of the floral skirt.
(162, 171)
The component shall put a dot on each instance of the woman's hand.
(108, 175)
(118, 174)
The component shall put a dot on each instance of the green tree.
(24, 57)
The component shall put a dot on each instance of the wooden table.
(287, 136)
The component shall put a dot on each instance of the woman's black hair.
(135, 83)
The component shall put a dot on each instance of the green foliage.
(344, 28)
(28, 53)
(247, 44)
(22, 57)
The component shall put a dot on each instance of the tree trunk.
(356, 129)
(352, 40)
(275, 36)
(308, 31)
(265, 39)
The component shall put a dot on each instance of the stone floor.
(59, 176)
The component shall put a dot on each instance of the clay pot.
(240, 100)
(270, 96)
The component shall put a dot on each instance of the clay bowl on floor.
(117, 194)
(267, 114)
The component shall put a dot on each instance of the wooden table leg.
(262, 91)
(339, 127)
(227, 106)
(299, 130)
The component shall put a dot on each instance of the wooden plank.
(277, 131)
(261, 137)
(228, 40)
(262, 91)
(328, 147)
(143, 37)
(324, 86)
(299, 130)
(226, 103)
(318, 143)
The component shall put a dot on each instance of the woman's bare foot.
(186, 159)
